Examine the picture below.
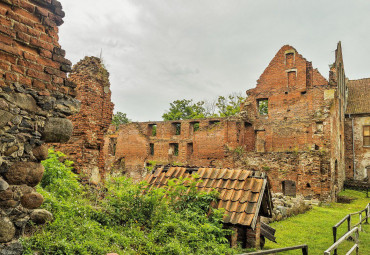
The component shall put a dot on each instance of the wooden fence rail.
(334, 247)
(348, 218)
(302, 247)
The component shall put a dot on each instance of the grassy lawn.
(314, 228)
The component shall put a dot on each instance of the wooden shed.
(245, 195)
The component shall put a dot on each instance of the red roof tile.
(358, 100)
(240, 191)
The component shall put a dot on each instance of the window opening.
(214, 122)
(263, 106)
(194, 126)
(319, 127)
(112, 146)
(177, 128)
(152, 129)
(190, 149)
(367, 136)
(174, 149)
(152, 149)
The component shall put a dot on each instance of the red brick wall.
(90, 125)
(204, 147)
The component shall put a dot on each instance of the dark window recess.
(174, 149)
(289, 188)
(177, 128)
(366, 135)
(194, 126)
(112, 146)
(262, 105)
(152, 149)
(190, 149)
(152, 129)
(303, 92)
(214, 122)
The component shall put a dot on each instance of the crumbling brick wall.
(85, 147)
(35, 98)
(308, 172)
(304, 113)
(187, 142)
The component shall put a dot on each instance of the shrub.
(129, 219)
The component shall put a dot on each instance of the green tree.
(230, 105)
(120, 118)
(185, 109)
(220, 107)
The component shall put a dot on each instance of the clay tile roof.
(358, 101)
(240, 191)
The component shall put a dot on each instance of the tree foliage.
(220, 107)
(120, 118)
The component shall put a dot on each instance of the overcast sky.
(158, 51)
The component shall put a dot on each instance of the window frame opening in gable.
(366, 135)
(152, 129)
(263, 110)
(289, 53)
(291, 84)
(176, 128)
(173, 149)
(151, 146)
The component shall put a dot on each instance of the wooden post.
(349, 222)
(367, 213)
(335, 238)
(360, 221)
(305, 250)
(356, 241)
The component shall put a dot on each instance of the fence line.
(302, 247)
(342, 239)
(348, 218)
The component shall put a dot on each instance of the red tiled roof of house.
(241, 192)
(358, 101)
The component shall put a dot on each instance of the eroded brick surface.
(85, 147)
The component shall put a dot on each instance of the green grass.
(314, 228)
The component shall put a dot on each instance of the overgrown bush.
(130, 219)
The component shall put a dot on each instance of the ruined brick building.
(35, 99)
(293, 126)
(85, 148)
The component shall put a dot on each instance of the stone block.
(28, 173)
(57, 130)
(32, 200)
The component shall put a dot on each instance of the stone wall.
(35, 99)
(85, 147)
(292, 173)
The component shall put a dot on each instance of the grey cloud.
(160, 51)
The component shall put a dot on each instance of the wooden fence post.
(305, 250)
(360, 228)
(335, 238)
(349, 222)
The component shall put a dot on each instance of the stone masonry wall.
(35, 99)
(85, 147)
